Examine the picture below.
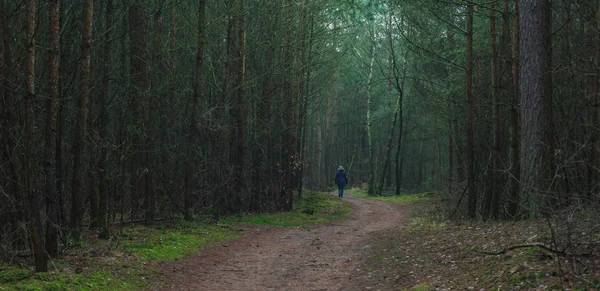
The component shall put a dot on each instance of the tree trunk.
(238, 111)
(495, 179)
(319, 161)
(592, 112)
(300, 101)
(327, 150)
(451, 118)
(371, 185)
(595, 118)
(194, 133)
(288, 97)
(472, 192)
(421, 155)
(304, 112)
(139, 100)
(399, 85)
(450, 156)
(35, 201)
(513, 204)
(77, 210)
(125, 173)
(52, 226)
(536, 106)
(152, 116)
(104, 96)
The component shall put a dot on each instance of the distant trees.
(517, 145)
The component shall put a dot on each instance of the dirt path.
(323, 257)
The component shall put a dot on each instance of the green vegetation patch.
(182, 239)
(127, 262)
(317, 207)
(421, 223)
(402, 198)
(94, 279)
(421, 287)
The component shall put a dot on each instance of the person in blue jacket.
(341, 180)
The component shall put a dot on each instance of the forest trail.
(322, 257)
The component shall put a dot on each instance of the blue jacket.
(340, 179)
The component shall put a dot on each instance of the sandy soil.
(323, 257)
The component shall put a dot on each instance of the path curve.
(322, 257)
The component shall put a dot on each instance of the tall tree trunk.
(450, 156)
(195, 122)
(592, 112)
(320, 171)
(239, 111)
(262, 179)
(595, 118)
(371, 185)
(513, 203)
(3, 96)
(302, 133)
(300, 101)
(536, 106)
(52, 226)
(77, 210)
(452, 117)
(288, 98)
(394, 80)
(35, 201)
(495, 178)
(327, 150)
(138, 33)
(472, 192)
(104, 96)
(389, 96)
(152, 116)
(388, 148)
(224, 146)
(124, 189)
(421, 154)
(60, 168)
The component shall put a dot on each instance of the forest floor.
(357, 243)
(380, 245)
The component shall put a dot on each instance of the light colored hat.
(340, 168)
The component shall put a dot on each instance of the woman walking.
(341, 180)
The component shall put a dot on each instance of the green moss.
(160, 246)
(421, 287)
(316, 208)
(8, 274)
(97, 279)
(142, 246)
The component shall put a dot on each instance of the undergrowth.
(127, 260)
(122, 263)
(402, 198)
(316, 208)
(436, 253)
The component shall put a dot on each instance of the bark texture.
(536, 106)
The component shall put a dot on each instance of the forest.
(121, 112)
